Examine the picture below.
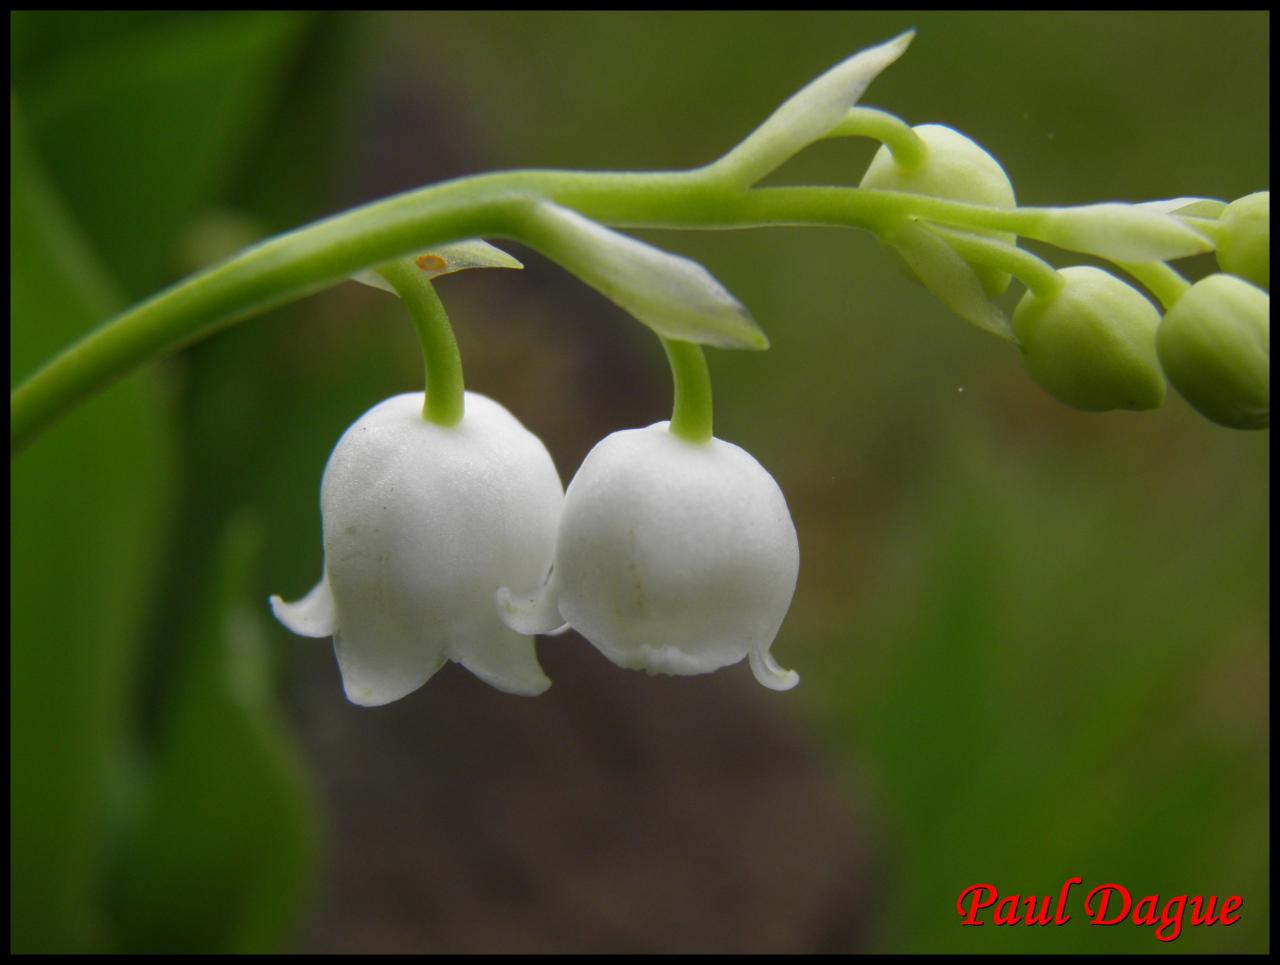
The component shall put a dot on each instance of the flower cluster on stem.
(447, 534)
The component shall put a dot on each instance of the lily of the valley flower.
(673, 557)
(422, 525)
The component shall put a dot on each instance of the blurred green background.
(1033, 642)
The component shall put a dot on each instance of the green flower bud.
(1092, 343)
(1245, 246)
(957, 169)
(1215, 346)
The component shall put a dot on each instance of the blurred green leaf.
(89, 502)
(37, 35)
(1031, 730)
(222, 848)
(144, 120)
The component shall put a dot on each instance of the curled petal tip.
(530, 613)
(312, 616)
(768, 672)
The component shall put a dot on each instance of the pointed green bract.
(1122, 232)
(946, 274)
(673, 295)
(445, 260)
(1188, 207)
(811, 113)
(553, 211)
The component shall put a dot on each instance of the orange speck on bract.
(431, 263)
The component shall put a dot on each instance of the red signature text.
(1106, 904)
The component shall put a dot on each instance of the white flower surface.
(422, 525)
(673, 557)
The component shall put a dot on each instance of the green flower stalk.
(570, 216)
(447, 534)
(410, 278)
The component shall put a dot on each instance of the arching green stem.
(908, 147)
(302, 262)
(1037, 274)
(444, 403)
(691, 413)
(1159, 279)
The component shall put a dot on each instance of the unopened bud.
(1215, 346)
(956, 169)
(1091, 344)
(1245, 246)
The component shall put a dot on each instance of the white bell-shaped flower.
(422, 525)
(673, 557)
